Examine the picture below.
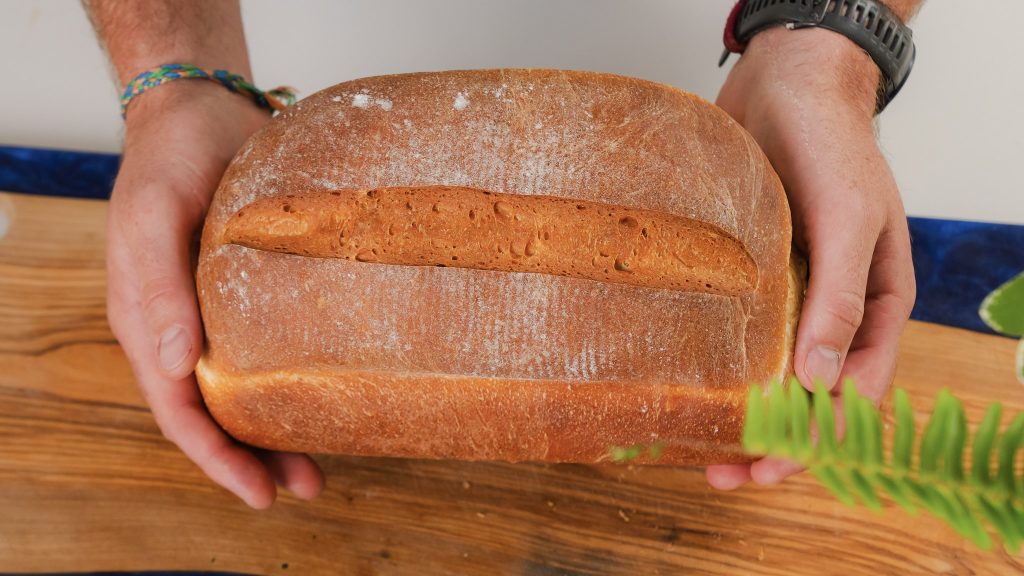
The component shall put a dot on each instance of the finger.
(184, 420)
(769, 470)
(157, 230)
(840, 257)
(176, 403)
(727, 476)
(297, 473)
(772, 470)
(871, 362)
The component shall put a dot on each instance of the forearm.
(142, 34)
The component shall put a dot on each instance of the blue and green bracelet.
(277, 99)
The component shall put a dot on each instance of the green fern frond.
(856, 468)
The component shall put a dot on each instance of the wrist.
(181, 137)
(815, 64)
(188, 96)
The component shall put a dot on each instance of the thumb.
(158, 227)
(840, 259)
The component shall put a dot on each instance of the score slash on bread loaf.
(496, 265)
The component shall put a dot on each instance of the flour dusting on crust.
(574, 135)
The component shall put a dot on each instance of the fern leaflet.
(923, 471)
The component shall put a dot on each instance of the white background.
(955, 135)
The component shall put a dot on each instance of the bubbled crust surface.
(330, 355)
(470, 228)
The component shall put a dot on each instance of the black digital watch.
(868, 23)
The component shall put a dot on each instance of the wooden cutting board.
(87, 483)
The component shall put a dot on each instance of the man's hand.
(179, 139)
(807, 97)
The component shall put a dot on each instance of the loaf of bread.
(502, 265)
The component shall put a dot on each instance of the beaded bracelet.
(277, 99)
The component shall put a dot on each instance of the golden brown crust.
(468, 228)
(486, 360)
(417, 415)
(797, 288)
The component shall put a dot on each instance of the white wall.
(955, 136)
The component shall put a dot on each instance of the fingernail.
(823, 364)
(174, 347)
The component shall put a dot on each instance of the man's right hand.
(179, 139)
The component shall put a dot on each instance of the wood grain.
(87, 482)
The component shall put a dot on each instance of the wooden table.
(88, 483)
